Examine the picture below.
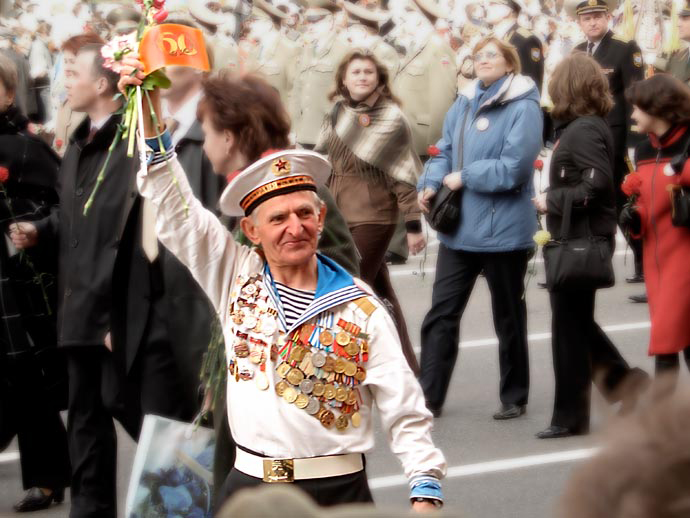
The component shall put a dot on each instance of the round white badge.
(668, 170)
(483, 124)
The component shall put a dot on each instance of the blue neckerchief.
(483, 93)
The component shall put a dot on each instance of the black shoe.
(555, 432)
(638, 299)
(35, 500)
(542, 285)
(635, 279)
(395, 259)
(435, 411)
(510, 412)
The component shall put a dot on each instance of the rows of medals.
(320, 364)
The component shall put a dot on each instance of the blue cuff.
(427, 488)
(153, 151)
(152, 142)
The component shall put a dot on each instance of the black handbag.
(444, 209)
(578, 264)
(680, 207)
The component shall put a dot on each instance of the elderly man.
(309, 351)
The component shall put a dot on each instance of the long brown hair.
(578, 87)
(662, 96)
(248, 107)
(383, 87)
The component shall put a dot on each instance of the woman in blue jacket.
(500, 140)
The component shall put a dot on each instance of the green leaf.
(156, 79)
(117, 96)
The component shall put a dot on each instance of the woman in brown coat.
(375, 170)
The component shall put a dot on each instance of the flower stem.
(101, 173)
(132, 128)
(156, 125)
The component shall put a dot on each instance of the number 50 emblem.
(172, 44)
(175, 47)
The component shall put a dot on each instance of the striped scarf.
(379, 136)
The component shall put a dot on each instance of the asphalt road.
(496, 469)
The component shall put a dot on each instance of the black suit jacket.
(621, 61)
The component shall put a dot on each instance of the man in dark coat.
(678, 62)
(621, 61)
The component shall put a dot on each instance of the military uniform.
(224, 53)
(677, 64)
(426, 85)
(275, 63)
(303, 391)
(529, 49)
(314, 80)
(384, 52)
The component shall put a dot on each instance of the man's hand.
(108, 342)
(23, 235)
(453, 181)
(424, 197)
(415, 242)
(423, 507)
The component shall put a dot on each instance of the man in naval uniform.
(503, 15)
(274, 55)
(426, 82)
(309, 350)
(621, 61)
(363, 32)
(678, 63)
(315, 71)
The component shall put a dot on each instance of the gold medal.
(302, 401)
(350, 368)
(364, 120)
(341, 423)
(295, 376)
(283, 370)
(319, 388)
(327, 418)
(329, 366)
(361, 374)
(356, 419)
(241, 349)
(340, 366)
(326, 338)
(352, 348)
(329, 392)
(351, 398)
(261, 380)
(290, 395)
(340, 394)
(280, 388)
(255, 357)
(342, 338)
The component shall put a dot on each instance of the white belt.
(289, 470)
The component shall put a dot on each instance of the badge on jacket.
(536, 53)
(637, 59)
(483, 124)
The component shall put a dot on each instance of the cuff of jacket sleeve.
(153, 150)
(426, 487)
(414, 226)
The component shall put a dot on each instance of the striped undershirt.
(295, 302)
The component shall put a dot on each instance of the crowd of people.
(241, 271)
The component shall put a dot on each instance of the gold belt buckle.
(279, 470)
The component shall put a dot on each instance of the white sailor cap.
(278, 173)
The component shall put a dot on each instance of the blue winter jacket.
(498, 165)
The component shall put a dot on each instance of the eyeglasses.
(489, 55)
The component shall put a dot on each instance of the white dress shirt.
(185, 116)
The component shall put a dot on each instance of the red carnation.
(433, 151)
(4, 174)
(160, 16)
(539, 165)
(58, 143)
(632, 184)
(158, 4)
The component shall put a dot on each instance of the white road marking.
(9, 456)
(535, 337)
(493, 466)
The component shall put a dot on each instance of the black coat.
(90, 244)
(530, 51)
(621, 61)
(582, 165)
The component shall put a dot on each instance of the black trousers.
(581, 349)
(621, 168)
(668, 366)
(93, 389)
(41, 434)
(326, 492)
(456, 273)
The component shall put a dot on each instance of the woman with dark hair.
(33, 386)
(375, 170)
(661, 108)
(581, 177)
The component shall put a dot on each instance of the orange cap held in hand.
(173, 44)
